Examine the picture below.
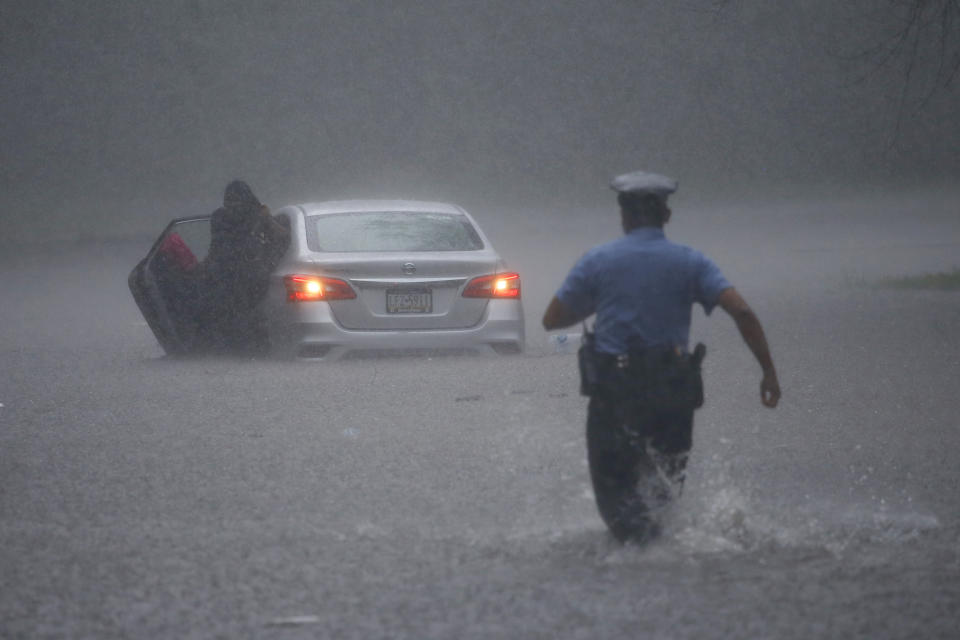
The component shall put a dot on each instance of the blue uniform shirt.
(642, 288)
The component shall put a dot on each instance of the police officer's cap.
(641, 182)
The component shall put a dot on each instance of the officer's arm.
(558, 316)
(752, 332)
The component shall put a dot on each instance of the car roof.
(359, 206)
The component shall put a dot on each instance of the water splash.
(720, 517)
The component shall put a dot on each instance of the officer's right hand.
(769, 390)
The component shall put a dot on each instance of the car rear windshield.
(392, 231)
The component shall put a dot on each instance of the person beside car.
(246, 244)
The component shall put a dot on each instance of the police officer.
(643, 383)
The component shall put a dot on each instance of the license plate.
(409, 301)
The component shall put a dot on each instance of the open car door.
(166, 283)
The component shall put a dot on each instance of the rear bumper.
(309, 331)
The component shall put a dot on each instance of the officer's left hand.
(769, 390)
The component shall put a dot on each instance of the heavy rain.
(817, 148)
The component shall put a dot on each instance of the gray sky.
(118, 115)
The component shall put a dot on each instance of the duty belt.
(636, 356)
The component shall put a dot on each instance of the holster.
(660, 378)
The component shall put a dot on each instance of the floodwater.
(449, 497)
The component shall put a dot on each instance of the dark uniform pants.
(638, 456)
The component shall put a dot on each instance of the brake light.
(498, 285)
(316, 288)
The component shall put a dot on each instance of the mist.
(118, 116)
(144, 495)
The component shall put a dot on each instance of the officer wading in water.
(643, 382)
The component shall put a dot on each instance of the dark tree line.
(921, 37)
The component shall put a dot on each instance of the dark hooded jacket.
(246, 244)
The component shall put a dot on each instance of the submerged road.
(449, 497)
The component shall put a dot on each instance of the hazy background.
(116, 115)
(144, 496)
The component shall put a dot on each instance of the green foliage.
(943, 281)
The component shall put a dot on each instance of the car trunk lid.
(409, 291)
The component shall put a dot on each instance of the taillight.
(315, 288)
(498, 285)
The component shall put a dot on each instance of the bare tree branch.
(924, 42)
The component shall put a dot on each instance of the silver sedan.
(366, 277)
